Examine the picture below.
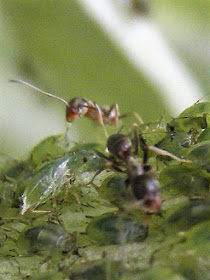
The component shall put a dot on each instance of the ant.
(143, 184)
(78, 107)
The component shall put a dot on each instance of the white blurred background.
(147, 56)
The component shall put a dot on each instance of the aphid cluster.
(141, 180)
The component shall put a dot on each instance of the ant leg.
(135, 138)
(167, 154)
(111, 163)
(144, 148)
(136, 115)
(138, 118)
(94, 176)
(157, 150)
(100, 119)
(140, 141)
(101, 155)
(114, 113)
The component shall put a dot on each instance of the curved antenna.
(41, 91)
(201, 99)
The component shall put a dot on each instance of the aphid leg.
(139, 141)
(167, 154)
(67, 182)
(100, 119)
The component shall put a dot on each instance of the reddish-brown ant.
(78, 107)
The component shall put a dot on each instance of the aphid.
(78, 107)
(49, 237)
(44, 184)
(112, 228)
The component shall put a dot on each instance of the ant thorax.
(110, 114)
(94, 112)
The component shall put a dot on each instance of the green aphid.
(187, 214)
(99, 270)
(85, 165)
(116, 229)
(48, 237)
(44, 184)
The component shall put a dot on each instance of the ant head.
(145, 188)
(76, 107)
(119, 145)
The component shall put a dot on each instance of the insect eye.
(80, 107)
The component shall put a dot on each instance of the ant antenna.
(41, 91)
(201, 98)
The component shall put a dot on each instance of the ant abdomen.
(119, 145)
(145, 188)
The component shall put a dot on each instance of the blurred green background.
(58, 47)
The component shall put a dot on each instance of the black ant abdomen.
(145, 189)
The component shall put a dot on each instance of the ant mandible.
(139, 176)
(78, 107)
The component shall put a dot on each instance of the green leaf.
(94, 229)
(188, 180)
(196, 110)
(48, 149)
